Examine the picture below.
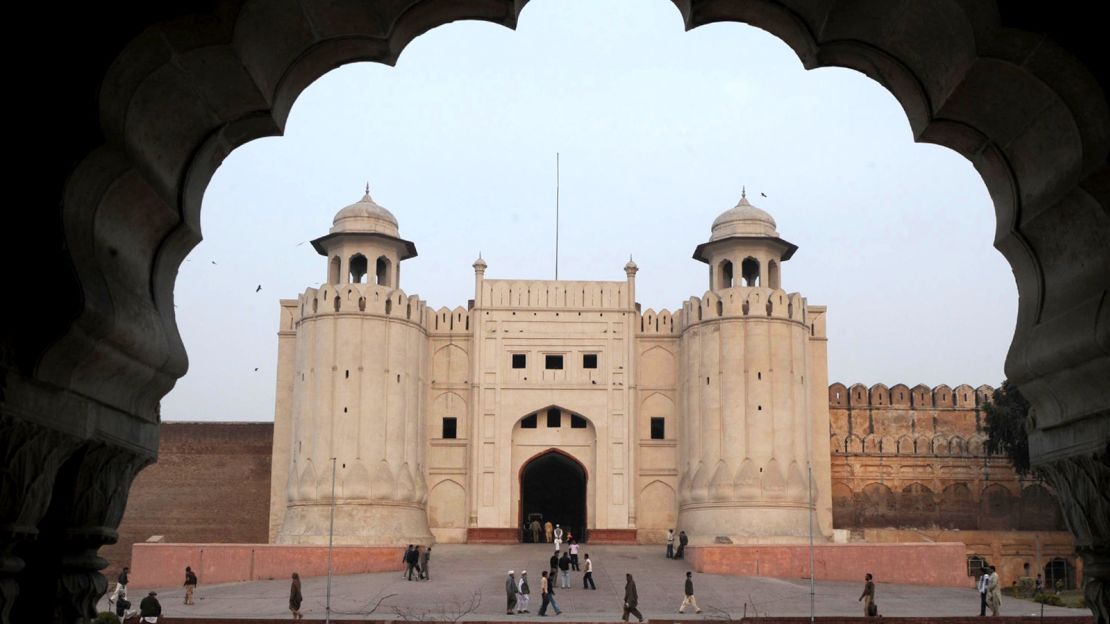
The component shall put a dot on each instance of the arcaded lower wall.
(211, 485)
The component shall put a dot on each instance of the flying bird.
(256, 369)
(259, 288)
(763, 194)
(213, 262)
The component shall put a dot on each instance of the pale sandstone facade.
(735, 381)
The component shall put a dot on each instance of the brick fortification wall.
(211, 484)
(914, 458)
(908, 464)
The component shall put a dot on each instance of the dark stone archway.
(553, 485)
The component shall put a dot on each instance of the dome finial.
(743, 191)
(367, 188)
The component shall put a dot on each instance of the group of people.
(416, 560)
(518, 593)
(149, 608)
(550, 533)
(682, 542)
(990, 591)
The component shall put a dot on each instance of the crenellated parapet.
(662, 323)
(448, 321)
(362, 299)
(578, 295)
(744, 302)
(900, 396)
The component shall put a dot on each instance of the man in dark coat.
(150, 608)
(510, 594)
(564, 571)
(295, 597)
(553, 564)
(631, 599)
(190, 585)
(682, 542)
(689, 592)
(412, 558)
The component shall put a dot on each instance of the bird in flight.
(763, 194)
(259, 288)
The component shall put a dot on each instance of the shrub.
(106, 617)
(1049, 599)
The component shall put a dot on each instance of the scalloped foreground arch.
(182, 94)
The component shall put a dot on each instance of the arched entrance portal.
(553, 487)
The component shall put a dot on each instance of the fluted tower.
(752, 356)
(358, 346)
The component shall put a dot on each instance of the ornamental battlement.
(363, 299)
(900, 396)
(578, 295)
(743, 301)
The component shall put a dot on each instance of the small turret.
(359, 232)
(744, 248)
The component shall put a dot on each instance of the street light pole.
(331, 538)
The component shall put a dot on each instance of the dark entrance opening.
(553, 488)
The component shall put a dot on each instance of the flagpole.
(556, 216)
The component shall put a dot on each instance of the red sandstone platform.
(936, 564)
(999, 620)
(163, 565)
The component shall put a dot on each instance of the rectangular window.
(553, 362)
(450, 427)
(554, 419)
(577, 422)
(589, 360)
(657, 430)
(528, 422)
(520, 360)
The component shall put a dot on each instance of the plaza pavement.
(461, 573)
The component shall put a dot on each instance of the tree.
(1007, 414)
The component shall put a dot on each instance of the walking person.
(558, 537)
(588, 577)
(994, 592)
(689, 599)
(564, 571)
(547, 593)
(523, 593)
(190, 585)
(573, 555)
(547, 529)
(510, 594)
(425, 556)
(868, 597)
(295, 597)
(405, 561)
(630, 599)
(984, 581)
(536, 528)
(670, 543)
(412, 558)
(553, 568)
(682, 541)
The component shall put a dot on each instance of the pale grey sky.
(658, 129)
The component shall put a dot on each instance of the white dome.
(365, 215)
(743, 219)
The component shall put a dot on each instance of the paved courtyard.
(466, 574)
